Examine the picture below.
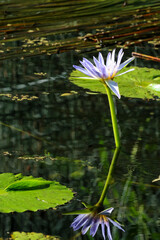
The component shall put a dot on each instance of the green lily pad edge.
(141, 83)
(20, 193)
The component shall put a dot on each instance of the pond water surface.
(53, 129)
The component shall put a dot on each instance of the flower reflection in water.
(92, 220)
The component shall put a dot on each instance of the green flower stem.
(102, 197)
(113, 116)
(117, 142)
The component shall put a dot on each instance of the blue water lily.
(105, 71)
(92, 221)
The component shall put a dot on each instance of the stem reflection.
(103, 194)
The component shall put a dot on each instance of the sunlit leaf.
(140, 83)
(20, 193)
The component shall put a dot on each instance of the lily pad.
(141, 83)
(20, 193)
(31, 236)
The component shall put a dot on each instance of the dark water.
(70, 138)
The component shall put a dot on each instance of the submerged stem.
(103, 194)
(113, 116)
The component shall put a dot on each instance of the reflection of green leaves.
(31, 236)
(140, 83)
(81, 211)
(28, 193)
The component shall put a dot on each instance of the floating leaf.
(31, 236)
(20, 193)
(140, 83)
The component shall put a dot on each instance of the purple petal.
(87, 224)
(113, 70)
(84, 230)
(103, 229)
(120, 53)
(90, 68)
(107, 211)
(116, 224)
(108, 231)
(113, 55)
(86, 61)
(114, 87)
(125, 72)
(97, 63)
(125, 63)
(108, 59)
(119, 58)
(78, 224)
(101, 68)
(77, 219)
(104, 72)
(100, 58)
(94, 227)
(82, 70)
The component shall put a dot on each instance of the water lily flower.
(105, 71)
(92, 220)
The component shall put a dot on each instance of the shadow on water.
(68, 138)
